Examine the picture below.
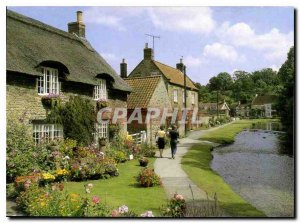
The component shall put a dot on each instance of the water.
(258, 171)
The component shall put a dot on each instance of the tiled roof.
(264, 99)
(143, 89)
(175, 75)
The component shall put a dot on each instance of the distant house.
(148, 92)
(43, 60)
(242, 110)
(210, 109)
(265, 103)
(174, 80)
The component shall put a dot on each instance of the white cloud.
(274, 45)
(221, 51)
(196, 19)
(192, 61)
(109, 56)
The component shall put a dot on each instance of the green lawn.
(226, 134)
(196, 163)
(123, 189)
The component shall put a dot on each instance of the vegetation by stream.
(196, 163)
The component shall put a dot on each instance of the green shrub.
(147, 150)
(176, 207)
(148, 178)
(78, 119)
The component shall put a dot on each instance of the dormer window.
(48, 83)
(100, 91)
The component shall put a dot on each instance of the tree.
(285, 106)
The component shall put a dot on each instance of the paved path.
(174, 179)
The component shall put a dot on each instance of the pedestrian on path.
(161, 140)
(174, 135)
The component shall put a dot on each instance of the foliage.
(78, 119)
(196, 163)
(148, 178)
(285, 106)
(147, 150)
(51, 100)
(143, 161)
(176, 207)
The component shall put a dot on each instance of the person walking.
(161, 141)
(174, 135)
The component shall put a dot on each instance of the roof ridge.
(34, 22)
(167, 65)
(146, 77)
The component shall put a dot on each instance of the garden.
(73, 177)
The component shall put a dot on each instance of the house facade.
(148, 93)
(174, 81)
(264, 103)
(212, 109)
(43, 61)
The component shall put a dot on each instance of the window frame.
(47, 131)
(100, 90)
(101, 130)
(48, 83)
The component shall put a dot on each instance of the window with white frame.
(101, 130)
(183, 97)
(48, 83)
(100, 91)
(47, 132)
(175, 95)
(193, 98)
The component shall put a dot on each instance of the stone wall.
(23, 100)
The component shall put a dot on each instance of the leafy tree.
(285, 106)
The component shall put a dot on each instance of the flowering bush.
(176, 207)
(147, 214)
(147, 178)
(24, 182)
(147, 150)
(101, 103)
(51, 100)
(123, 211)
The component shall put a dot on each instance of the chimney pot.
(180, 60)
(146, 45)
(123, 69)
(148, 53)
(79, 16)
(180, 66)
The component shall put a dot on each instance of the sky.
(209, 39)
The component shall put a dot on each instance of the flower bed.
(148, 178)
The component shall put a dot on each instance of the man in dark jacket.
(174, 135)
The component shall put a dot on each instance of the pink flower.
(115, 213)
(123, 209)
(96, 199)
(147, 214)
(178, 197)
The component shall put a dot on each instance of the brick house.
(174, 80)
(43, 60)
(264, 103)
(148, 92)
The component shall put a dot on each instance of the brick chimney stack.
(123, 69)
(148, 53)
(180, 65)
(77, 27)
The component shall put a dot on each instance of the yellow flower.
(43, 203)
(62, 172)
(129, 137)
(48, 176)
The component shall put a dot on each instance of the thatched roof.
(264, 99)
(30, 43)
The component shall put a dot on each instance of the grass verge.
(123, 189)
(196, 163)
(226, 134)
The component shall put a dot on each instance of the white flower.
(66, 158)
(123, 209)
(147, 214)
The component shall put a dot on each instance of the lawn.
(226, 134)
(196, 163)
(123, 189)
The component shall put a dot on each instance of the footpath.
(174, 179)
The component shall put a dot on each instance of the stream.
(257, 169)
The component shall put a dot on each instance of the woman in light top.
(161, 140)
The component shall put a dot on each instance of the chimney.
(148, 53)
(180, 65)
(123, 69)
(77, 27)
